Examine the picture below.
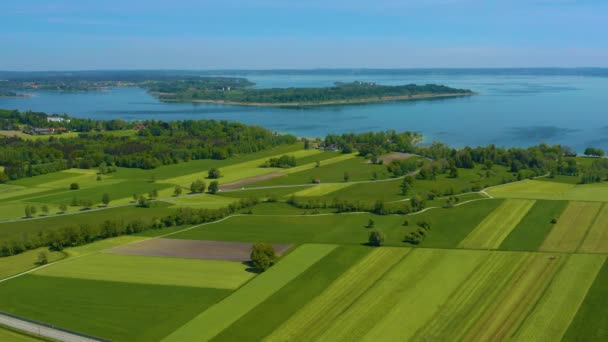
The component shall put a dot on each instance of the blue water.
(509, 110)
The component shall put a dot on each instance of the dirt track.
(240, 183)
(193, 249)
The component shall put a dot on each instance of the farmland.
(524, 260)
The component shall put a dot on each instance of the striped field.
(490, 233)
(552, 315)
(571, 227)
(419, 283)
(501, 319)
(314, 318)
(596, 240)
(218, 317)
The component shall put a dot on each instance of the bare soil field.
(193, 249)
(240, 183)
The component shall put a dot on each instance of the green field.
(552, 315)
(113, 310)
(490, 233)
(571, 227)
(549, 190)
(531, 231)
(19, 263)
(320, 190)
(10, 335)
(344, 228)
(591, 320)
(220, 316)
(17, 229)
(296, 294)
(238, 171)
(314, 318)
(596, 240)
(152, 270)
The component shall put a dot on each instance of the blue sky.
(266, 34)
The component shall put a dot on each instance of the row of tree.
(71, 236)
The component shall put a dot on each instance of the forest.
(155, 143)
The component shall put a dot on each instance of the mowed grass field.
(571, 227)
(152, 270)
(17, 229)
(531, 231)
(217, 318)
(450, 226)
(549, 190)
(242, 170)
(491, 232)
(596, 240)
(117, 311)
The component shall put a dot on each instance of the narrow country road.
(40, 329)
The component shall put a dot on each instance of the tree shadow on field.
(250, 268)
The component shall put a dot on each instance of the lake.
(509, 110)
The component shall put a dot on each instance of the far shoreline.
(326, 103)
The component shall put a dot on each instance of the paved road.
(43, 330)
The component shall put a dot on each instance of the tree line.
(72, 236)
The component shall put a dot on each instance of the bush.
(74, 186)
(553, 221)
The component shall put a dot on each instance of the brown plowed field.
(193, 249)
(240, 183)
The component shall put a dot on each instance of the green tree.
(63, 207)
(262, 256)
(28, 211)
(376, 238)
(143, 202)
(87, 203)
(45, 209)
(317, 163)
(214, 187)
(198, 186)
(177, 191)
(105, 199)
(406, 185)
(214, 173)
(33, 210)
(346, 177)
(153, 193)
(135, 198)
(370, 224)
(74, 186)
(43, 258)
